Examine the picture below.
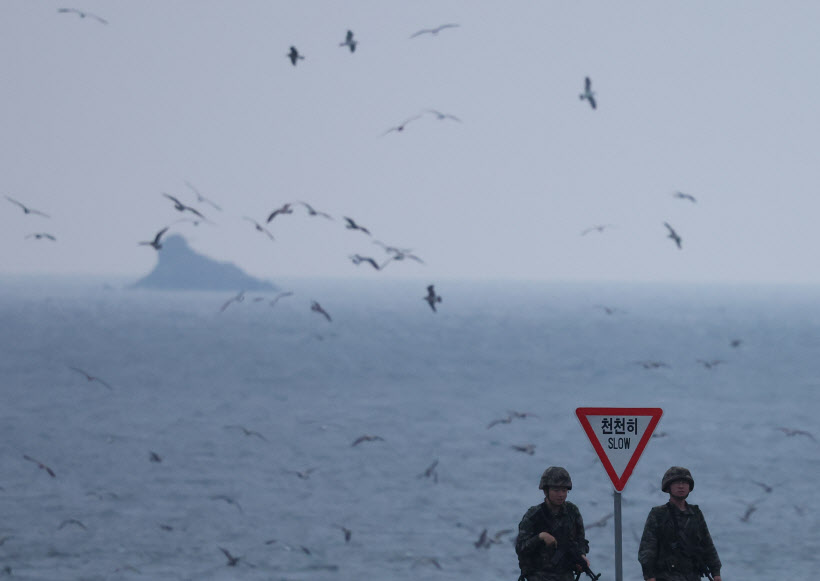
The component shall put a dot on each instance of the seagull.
(280, 296)
(597, 228)
(588, 93)
(285, 209)
(432, 298)
(351, 225)
(402, 125)
(82, 14)
(711, 363)
(507, 420)
(600, 522)
(750, 508)
(40, 465)
(424, 560)
(522, 415)
(433, 31)
(442, 116)
(793, 432)
(366, 438)
(358, 259)
(527, 448)
(155, 243)
(26, 209)
(72, 521)
(347, 532)
(179, 206)
(200, 198)
(227, 499)
(303, 474)
(482, 540)
(607, 310)
(238, 299)
(41, 235)
(154, 457)
(316, 307)
(246, 431)
(232, 561)
(764, 486)
(313, 212)
(430, 471)
(294, 55)
(736, 343)
(349, 41)
(683, 196)
(652, 364)
(90, 377)
(673, 235)
(399, 253)
(259, 227)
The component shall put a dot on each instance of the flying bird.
(303, 474)
(588, 93)
(317, 308)
(232, 561)
(430, 471)
(246, 431)
(280, 296)
(154, 457)
(285, 209)
(597, 228)
(227, 499)
(26, 209)
(399, 253)
(236, 299)
(82, 14)
(366, 438)
(351, 225)
(349, 41)
(442, 116)
(710, 363)
(72, 521)
(683, 196)
(652, 364)
(202, 199)
(90, 377)
(506, 420)
(40, 465)
(673, 235)
(357, 259)
(41, 235)
(523, 415)
(432, 298)
(314, 212)
(402, 125)
(750, 508)
(294, 55)
(526, 448)
(179, 206)
(433, 31)
(793, 432)
(260, 228)
(766, 487)
(347, 532)
(155, 243)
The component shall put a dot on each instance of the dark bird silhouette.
(349, 41)
(425, 560)
(482, 540)
(82, 14)
(154, 457)
(260, 228)
(588, 93)
(766, 487)
(432, 298)
(596, 228)
(227, 499)
(526, 448)
(682, 196)
(750, 508)
(313, 212)
(735, 343)
(607, 310)
(430, 471)
(232, 561)
(351, 225)
(72, 521)
(673, 235)
(358, 259)
(285, 209)
(294, 56)
(506, 420)
(433, 31)
(652, 364)
(41, 235)
(400, 127)
(90, 377)
(443, 116)
(399, 253)
(793, 432)
(180, 207)
(40, 465)
(522, 415)
(303, 474)
(26, 209)
(347, 532)
(317, 308)
(710, 363)
(246, 431)
(202, 199)
(155, 243)
(240, 296)
(366, 438)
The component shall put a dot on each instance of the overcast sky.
(714, 99)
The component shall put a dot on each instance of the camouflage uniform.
(660, 554)
(534, 556)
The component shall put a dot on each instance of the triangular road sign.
(619, 436)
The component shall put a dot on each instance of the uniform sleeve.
(580, 535)
(527, 541)
(648, 549)
(708, 550)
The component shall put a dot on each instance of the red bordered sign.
(619, 436)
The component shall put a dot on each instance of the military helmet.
(555, 476)
(676, 473)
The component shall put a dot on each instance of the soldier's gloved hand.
(548, 539)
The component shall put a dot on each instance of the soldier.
(676, 544)
(551, 534)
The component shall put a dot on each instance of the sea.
(217, 436)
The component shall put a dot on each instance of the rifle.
(569, 552)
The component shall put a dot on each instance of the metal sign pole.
(619, 573)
